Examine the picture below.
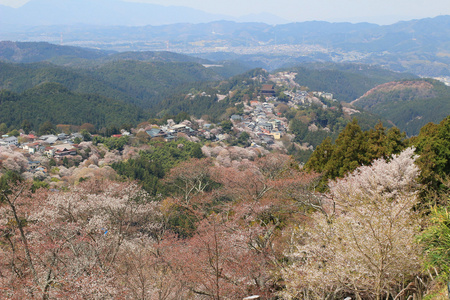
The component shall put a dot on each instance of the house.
(180, 128)
(11, 140)
(65, 152)
(31, 147)
(265, 126)
(266, 139)
(236, 118)
(276, 135)
(49, 151)
(62, 136)
(50, 138)
(328, 96)
(155, 132)
(34, 164)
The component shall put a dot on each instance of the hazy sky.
(376, 11)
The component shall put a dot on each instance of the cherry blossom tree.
(190, 178)
(367, 249)
(68, 244)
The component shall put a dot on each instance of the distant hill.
(54, 102)
(41, 51)
(151, 82)
(137, 82)
(417, 46)
(100, 12)
(346, 81)
(162, 56)
(409, 104)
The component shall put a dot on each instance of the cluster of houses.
(261, 122)
(57, 146)
(171, 131)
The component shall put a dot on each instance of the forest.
(366, 218)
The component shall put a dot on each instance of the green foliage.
(354, 148)
(436, 241)
(3, 127)
(410, 104)
(8, 179)
(347, 82)
(56, 104)
(203, 101)
(142, 81)
(37, 184)
(112, 143)
(433, 146)
(26, 126)
(152, 165)
(86, 135)
(227, 126)
(47, 128)
(14, 132)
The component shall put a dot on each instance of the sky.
(374, 11)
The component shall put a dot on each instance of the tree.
(436, 243)
(26, 126)
(190, 178)
(227, 126)
(3, 128)
(223, 260)
(88, 127)
(367, 249)
(58, 245)
(86, 135)
(14, 132)
(433, 146)
(47, 128)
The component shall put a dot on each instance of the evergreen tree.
(47, 128)
(433, 146)
(320, 157)
(26, 126)
(350, 151)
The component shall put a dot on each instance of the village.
(260, 124)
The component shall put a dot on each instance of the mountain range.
(112, 13)
(417, 46)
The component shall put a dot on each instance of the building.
(8, 141)
(267, 90)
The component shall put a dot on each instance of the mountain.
(141, 83)
(408, 104)
(346, 81)
(151, 82)
(42, 51)
(54, 102)
(417, 46)
(100, 12)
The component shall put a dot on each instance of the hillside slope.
(53, 102)
(408, 104)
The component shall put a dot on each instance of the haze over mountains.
(112, 13)
(417, 46)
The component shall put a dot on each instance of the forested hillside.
(150, 82)
(347, 82)
(408, 104)
(55, 103)
(41, 51)
(141, 83)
